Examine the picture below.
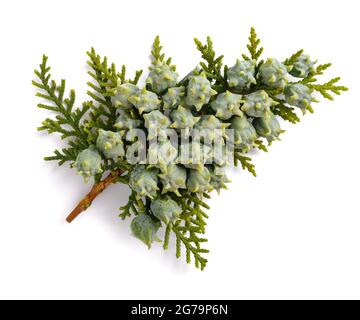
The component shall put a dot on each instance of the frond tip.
(68, 121)
(245, 163)
(213, 65)
(254, 46)
(330, 86)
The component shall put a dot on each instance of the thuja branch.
(248, 97)
(94, 192)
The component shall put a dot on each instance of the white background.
(292, 232)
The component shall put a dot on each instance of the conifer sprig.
(253, 47)
(325, 89)
(329, 87)
(188, 231)
(260, 145)
(213, 64)
(245, 162)
(68, 121)
(133, 207)
(290, 61)
(158, 55)
(105, 79)
(286, 112)
(94, 132)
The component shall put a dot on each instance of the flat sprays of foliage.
(249, 97)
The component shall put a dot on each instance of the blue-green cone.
(226, 105)
(298, 95)
(88, 163)
(242, 75)
(174, 179)
(244, 133)
(268, 127)
(273, 73)
(218, 181)
(145, 229)
(199, 91)
(125, 121)
(122, 93)
(161, 154)
(257, 104)
(183, 119)
(144, 181)
(212, 128)
(302, 67)
(199, 181)
(173, 97)
(162, 76)
(165, 209)
(145, 101)
(155, 121)
(110, 144)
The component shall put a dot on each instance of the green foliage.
(328, 87)
(105, 79)
(189, 229)
(157, 54)
(68, 121)
(253, 46)
(290, 61)
(285, 112)
(317, 72)
(134, 206)
(260, 145)
(245, 162)
(213, 64)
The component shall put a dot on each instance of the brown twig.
(94, 192)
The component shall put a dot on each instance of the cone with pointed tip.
(161, 77)
(221, 155)
(257, 104)
(126, 121)
(88, 163)
(145, 101)
(199, 181)
(226, 105)
(298, 95)
(212, 128)
(165, 209)
(110, 144)
(199, 91)
(302, 66)
(162, 154)
(244, 133)
(144, 181)
(173, 97)
(121, 95)
(242, 75)
(194, 155)
(218, 181)
(145, 229)
(183, 119)
(174, 179)
(273, 73)
(155, 121)
(268, 127)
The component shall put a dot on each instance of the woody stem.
(94, 192)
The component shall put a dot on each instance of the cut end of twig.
(71, 217)
(68, 220)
